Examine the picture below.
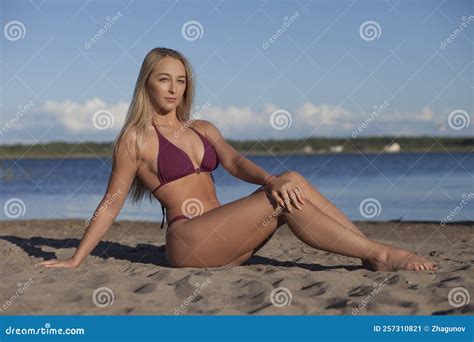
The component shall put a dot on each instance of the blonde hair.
(140, 115)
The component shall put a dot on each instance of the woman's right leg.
(226, 235)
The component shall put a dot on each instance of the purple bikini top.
(173, 163)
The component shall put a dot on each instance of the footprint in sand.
(147, 288)
(392, 280)
(159, 275)
(240, 283)
(256, 290)
(277, 282)
(183, 288)
(314, 289)
(251, 296)
(461, 268)
(450, 279)
(387, 298)
(361, 290)
(339, 303)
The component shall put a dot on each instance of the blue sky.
(322, 72)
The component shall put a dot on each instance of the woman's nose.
(172, 87)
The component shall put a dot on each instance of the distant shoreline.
(307, 147)
(253, 154)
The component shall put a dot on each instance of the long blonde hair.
(140, 114)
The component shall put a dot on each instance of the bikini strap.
(159, 134)
(163, 212)
(195, 130)
(198, 133)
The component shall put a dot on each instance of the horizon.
(263, 140)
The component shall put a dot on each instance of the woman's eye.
(165, 79)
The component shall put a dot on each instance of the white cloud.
(320, 120)
(77, 117)
(426, 114)
(315, 115)
(307, 116)
(246, 123)
(231, 116)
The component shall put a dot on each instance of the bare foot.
(392, 259)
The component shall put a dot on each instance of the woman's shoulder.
(203, 125)
(208, 129)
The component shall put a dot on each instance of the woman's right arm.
(123, 172)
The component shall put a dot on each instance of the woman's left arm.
(239, 166)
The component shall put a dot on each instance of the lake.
(398, 186)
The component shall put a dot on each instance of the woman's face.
(167, 82)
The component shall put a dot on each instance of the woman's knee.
(294, 176)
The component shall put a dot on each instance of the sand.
(128, 274)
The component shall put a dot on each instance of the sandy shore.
(128, 274)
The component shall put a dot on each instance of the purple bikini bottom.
(176, 218)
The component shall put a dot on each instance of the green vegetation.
(293, 146)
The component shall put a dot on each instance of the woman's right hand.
(284, 192)
(68, 263)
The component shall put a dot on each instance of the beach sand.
(128, 274)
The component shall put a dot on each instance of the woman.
(161, 152)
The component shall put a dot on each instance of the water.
(406, 186)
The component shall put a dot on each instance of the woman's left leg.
(327, 208)
(322, 203)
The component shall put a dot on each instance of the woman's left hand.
(285, 192)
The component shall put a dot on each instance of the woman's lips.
(170, 99)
